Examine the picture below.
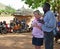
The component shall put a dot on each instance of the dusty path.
(19, 41)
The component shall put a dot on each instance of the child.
(37, 33)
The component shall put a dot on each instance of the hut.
(24, 14)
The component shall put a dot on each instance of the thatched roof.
(24, 12)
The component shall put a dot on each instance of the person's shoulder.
(50, 13)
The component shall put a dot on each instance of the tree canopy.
(7, 10)
(55, 5)
(37, 3)
(34, 3)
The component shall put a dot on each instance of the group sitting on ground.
(14, 26)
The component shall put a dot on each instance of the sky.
(16, 4)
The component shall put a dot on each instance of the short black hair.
(47, 5)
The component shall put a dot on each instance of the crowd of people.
(15, 25)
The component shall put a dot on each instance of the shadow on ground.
(19, 41)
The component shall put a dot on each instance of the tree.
(9, 10)
(1, 11)
(55, 4)
(35, 3)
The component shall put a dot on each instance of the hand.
(34, 24)
(39, 27)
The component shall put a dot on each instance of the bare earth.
(6, 18)
(19, 41)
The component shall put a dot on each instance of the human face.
(36, 15)
(46, 8)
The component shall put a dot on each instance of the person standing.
(48, 26)
(37, 33)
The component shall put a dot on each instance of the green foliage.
(9, 10)
(37, 3)
(0, 11)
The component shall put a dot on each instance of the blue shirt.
(49, 22)
(58, 23)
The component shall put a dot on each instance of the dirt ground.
(6, 18)
(19, 41)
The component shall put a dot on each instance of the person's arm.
(39, 27)
(36, 25)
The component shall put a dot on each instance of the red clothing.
(7, 26)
